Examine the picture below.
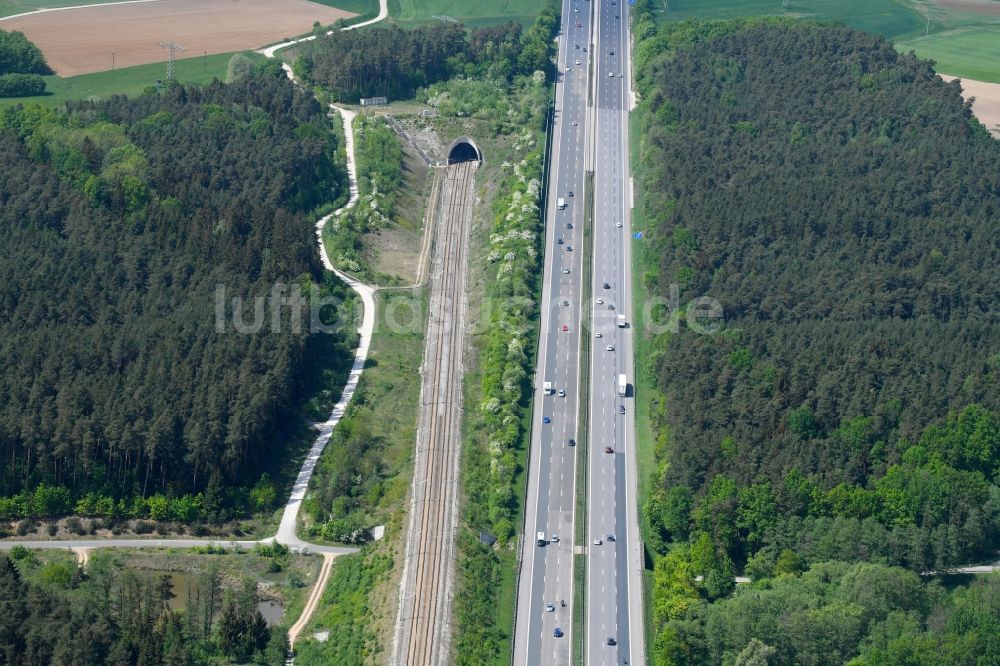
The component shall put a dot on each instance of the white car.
(550, 608)
(600, 301)
(611, 347)
(598, 335)
(578, 62)
(565, 270)
(618, 224)
(611, 75)
(562, 393)
(597, 542)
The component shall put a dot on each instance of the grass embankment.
(493, 462)
(583, 424)
(363, 478)
(129, 81)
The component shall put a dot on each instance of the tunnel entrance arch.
(464, 149)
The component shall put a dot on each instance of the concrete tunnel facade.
(464, 149)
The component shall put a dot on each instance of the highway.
(546, 575)
(613, 606)
(582, 136)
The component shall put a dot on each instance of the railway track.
(423, 626)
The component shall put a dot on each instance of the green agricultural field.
(469, 12)
(361, 7)
(884, 17)
(971, 53)
(128, 80)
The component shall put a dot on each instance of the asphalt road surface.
(546, 575)
(613, 583)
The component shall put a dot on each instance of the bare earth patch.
(987, 103)
(81, 41)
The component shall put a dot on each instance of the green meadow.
(468, 12)
(969, 53)
(129, 80)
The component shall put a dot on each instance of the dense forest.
(129, 227)
(393, 62)
(21, 66)
(54, 613)
(839, 200)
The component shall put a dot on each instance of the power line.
(172, 48)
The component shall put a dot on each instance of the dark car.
(546, 419)
(621, 409)
(557, 633)
(608, 449)
(570, 194)
(612, 641)
(559, 241)
(607, 286)
(569, 225)
(571, 442)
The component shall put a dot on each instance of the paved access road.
(613, 583)
(546, 575)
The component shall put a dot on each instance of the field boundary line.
(46, 10)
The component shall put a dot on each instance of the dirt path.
(314, 596)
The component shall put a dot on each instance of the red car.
(565, 328)
(579, 25)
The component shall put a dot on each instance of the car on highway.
(611, 537)
(611, 306)
(569, 225)
(570, 194)
(608, 449)
(618, 224)
(612, 641)
(559, 241)
(540, 539)
(562, 393)
(565, 304)
(598, 335)
(574, 123)
(557, 633)
(612, 53)
(571, 442)
(621, 409)
(565, 328)
(566, 269)
(600, 301)
(578, 62)
(607, 286)
(554, 538)
(611, 75)
(550, 607)
(579, 25)
(597, 541)
(569, 248)
(546, 419)
(611, 348)
(620, 75)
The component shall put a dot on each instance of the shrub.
(21, 85)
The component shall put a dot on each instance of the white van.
(541, 538)
(561, 203)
